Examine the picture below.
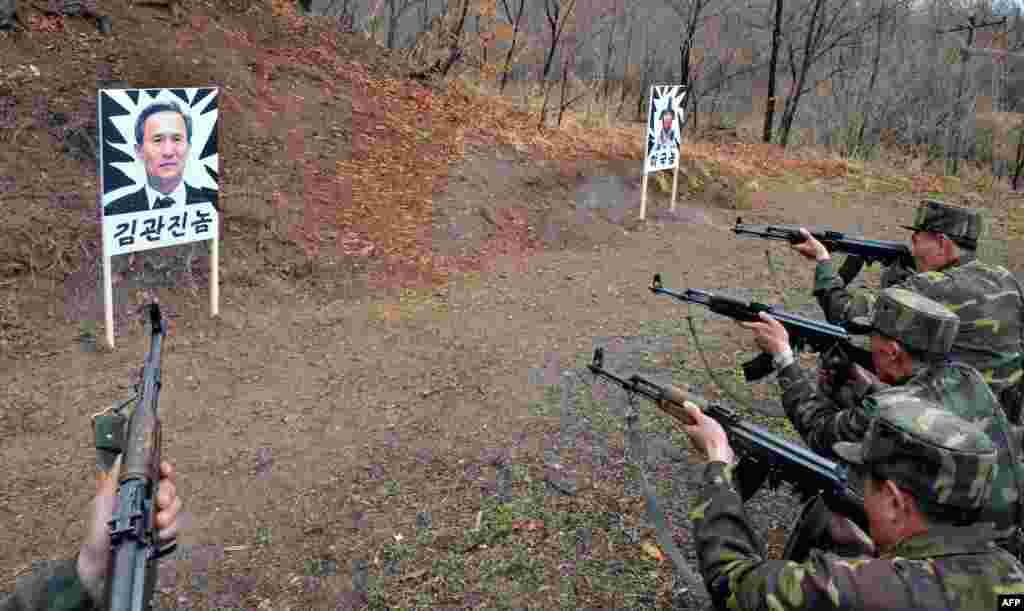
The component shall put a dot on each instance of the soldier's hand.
(769, 334)
(707, 435)
(94, 555)
(811, 248)
(862, 382)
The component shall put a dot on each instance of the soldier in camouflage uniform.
(911, 336)
(987, 298)
(78, 584)
(925, 473)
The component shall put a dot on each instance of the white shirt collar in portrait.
(178, 195)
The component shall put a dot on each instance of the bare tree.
(631, 20)
(690, 12)
(645, 71)
(557, 16)
(515, 21)
(769, 109)
(557, 13)
(827, 31)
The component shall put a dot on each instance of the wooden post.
(643, 198)
(108, 300)
(215, 274)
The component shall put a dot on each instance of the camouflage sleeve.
(52, 586)
(739, 577)
(838, 303)
(818, 419)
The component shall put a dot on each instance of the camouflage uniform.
(926, 327)
(949, 567)
(54, 586)
(986, 297)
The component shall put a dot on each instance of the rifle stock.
(764, 456)
(134, 539)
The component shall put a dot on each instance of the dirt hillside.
(375, 420)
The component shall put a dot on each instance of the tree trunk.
(544, 105)
(794, 99)
(512, 48)
(1020, 161)
(874, 78)
(609, 53)
(565, 84)
(953, 133)
(644, 72)
(625, 68)
(769, 109)
(392, 22)
(556, 21)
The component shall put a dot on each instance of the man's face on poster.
(666, 121)
(164, 150)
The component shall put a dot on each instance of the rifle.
(862, 251)
(764, 456)
(831, 340)
(134, 539)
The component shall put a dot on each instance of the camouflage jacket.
(822, 422)
(987, 298)
(957, 569)
(53, 586)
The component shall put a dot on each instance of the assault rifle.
(765, 458)
(134, 539)
(862, 251)
(831, 340)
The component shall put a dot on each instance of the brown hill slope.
(329, 161)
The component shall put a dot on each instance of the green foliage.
(847, 136)
(452, 569)
(263, 536)
(726, 120)
(517, 565)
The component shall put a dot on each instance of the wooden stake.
(215, 274)
(108, 300)
(643, 199)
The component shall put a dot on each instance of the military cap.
(913, 320)
(927, 450)
(960, 224)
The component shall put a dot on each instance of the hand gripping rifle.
(831, 340)
(133, 534)
(764, 456)
(862, 251)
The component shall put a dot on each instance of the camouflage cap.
(927, 450)
(912, 319)
(960, 224)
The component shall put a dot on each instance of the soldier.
(78, 585)
(926, 474)
(910, 338)
(986, 297)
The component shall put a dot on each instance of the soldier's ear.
(898, 501)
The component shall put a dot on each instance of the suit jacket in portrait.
(136, 201)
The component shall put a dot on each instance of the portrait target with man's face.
(158, 167)
(664, 122)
